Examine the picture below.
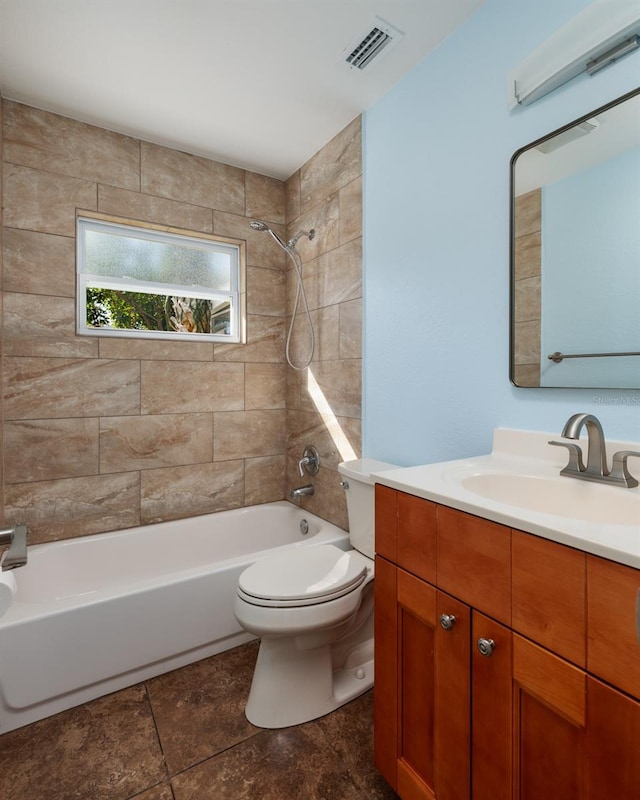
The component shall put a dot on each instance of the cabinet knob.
(486, 646)
(447, 621)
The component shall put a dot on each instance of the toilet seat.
(307, 576)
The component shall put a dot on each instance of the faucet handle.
(619, 470)
(16, 555)
(576, 464)
(310, 461)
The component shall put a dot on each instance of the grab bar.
(558, 357)
(16, 555)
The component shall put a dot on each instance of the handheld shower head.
(259, 225)
(290, 249)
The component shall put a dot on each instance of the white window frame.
(235, 248)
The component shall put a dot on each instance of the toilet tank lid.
(360, 469)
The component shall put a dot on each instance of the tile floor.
(184, 736)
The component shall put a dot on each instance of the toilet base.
(293, 685)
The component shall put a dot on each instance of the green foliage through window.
(113, 308)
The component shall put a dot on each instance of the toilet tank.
(360, 500)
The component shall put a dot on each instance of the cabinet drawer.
(474, 562)
(406, 531)
(417, 536)
(613, 649)
(549, 595)
(386, 508)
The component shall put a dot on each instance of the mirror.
(575, 253)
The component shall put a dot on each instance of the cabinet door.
(417, 631)
(549, 722)
(613, 737)
(385, 692)
(452, 700)
(492, 709)
(422, 688)
(433, 693)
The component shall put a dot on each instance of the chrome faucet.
(16, 555)
(596, 469)
(301, 491)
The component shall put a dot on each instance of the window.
(142, 280)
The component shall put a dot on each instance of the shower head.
(259, 225)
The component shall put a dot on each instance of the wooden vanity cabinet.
(480, 698)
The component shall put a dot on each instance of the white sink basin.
(561, 496)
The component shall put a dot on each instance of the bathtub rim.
(22, 611)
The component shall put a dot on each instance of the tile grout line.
(171, 775)
(210, 757)
(159, 740)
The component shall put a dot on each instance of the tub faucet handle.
(310, 461)
(16, 538)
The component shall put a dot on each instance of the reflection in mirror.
(575, 253)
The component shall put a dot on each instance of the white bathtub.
(95, 614)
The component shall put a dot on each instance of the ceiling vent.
(381, 36)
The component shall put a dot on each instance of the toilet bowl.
(313, 609)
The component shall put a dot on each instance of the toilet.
(313, 609)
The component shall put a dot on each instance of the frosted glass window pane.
(119, 256)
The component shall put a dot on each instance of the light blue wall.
(436, 229)
(591, 273)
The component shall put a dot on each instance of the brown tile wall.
(110, 433)
(101, 434)
(324, 400)
(528, 272)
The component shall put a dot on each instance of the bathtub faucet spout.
(16, 555)
(301, 491)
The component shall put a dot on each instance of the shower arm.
(309, 234)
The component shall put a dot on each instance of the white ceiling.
(259, 84)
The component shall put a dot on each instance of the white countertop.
(609, 525)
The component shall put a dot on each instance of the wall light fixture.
(602, 33)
